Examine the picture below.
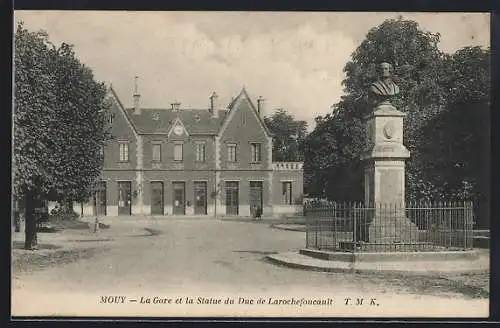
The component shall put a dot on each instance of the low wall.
(481, 242)
(455, 239)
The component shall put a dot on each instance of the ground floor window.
(287, 193)
(232, 197)
(124, 198)
(200, 197)
(100, 198)
(157, 198)
(256, 204)
(179, 198)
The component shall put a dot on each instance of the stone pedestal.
(384, 177)
(385, 229)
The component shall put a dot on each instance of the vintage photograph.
(250, 164)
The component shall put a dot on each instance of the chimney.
(176, 106)
(137, 97)
(260, 106)
(214, 111)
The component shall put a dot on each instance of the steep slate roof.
(196, 121)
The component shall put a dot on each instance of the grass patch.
(104, 226)
(61, 223)
(47, 229)
(26, 261)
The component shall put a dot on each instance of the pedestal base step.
(377, 256)
(386, 247)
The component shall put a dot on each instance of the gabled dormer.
(178, 130)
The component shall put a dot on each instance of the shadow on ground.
(153, 232)
(256, 252)
(20, 245)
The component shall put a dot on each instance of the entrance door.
(124, 198)
(100, 199)
(179, 193)
(255, 197)
(157, 198)
(232, 197)
(200, 197)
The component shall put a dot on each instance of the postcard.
(250, 164)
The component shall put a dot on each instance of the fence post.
(465, 214)
(307, 225)
(439, 223)
(335, 234)
(469, 224)
(451, 225)
(316, 231)
(355, 228)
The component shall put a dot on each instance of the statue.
(384, 88)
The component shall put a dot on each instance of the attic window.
(156, 116)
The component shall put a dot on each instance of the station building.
(215, 161)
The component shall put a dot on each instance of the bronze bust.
(384, 88)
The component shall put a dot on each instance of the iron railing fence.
(415, 226)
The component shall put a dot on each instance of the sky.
(294, 60)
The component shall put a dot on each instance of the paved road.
(209, 257)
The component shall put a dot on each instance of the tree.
(457, 144)
(288, 136)
(80, 125)
(59, 124)
(418, 67)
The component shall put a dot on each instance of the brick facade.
(166, 185)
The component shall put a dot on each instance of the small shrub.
(103, 226)
(47, 229)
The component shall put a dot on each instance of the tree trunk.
(30, 220)
(17, 219)
(66, 206)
